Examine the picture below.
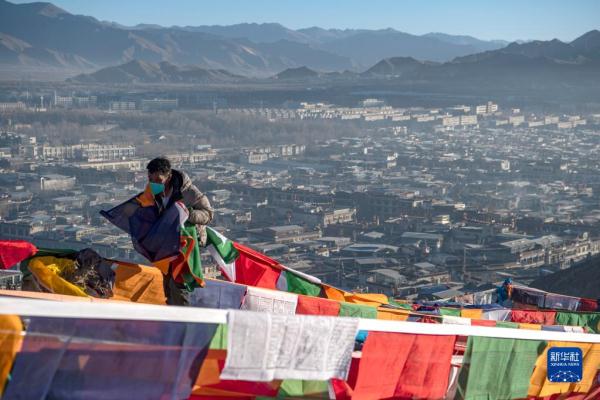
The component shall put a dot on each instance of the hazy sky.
(486, 19)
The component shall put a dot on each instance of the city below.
(415, 202)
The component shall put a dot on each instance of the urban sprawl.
(425, 203)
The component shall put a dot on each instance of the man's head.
(159, 174)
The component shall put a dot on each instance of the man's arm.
(201, 212)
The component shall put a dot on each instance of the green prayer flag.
(507, 324)
(393, 302)
(194, 260)
(454, 312)
(587, 320)
(300, 388)
(219, 340)
(496, 368)
(357, 311)
(223, 245)
(299, 285)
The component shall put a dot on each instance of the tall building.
(491, 107)
(481, 109)
(488, 108)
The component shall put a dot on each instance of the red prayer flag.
(341, 389)
(427, 369)
(587, 305)
(533, 317)
(236, 397)
(404, 366)
(344, 390)
(483, 322)
(267, 389)
(430, 320)
(255, 269)
(15, 251)
(308, 305)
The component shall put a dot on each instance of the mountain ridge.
(138, 71)
(535, 62)
(84, 42)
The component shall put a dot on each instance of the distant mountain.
(41, 34)
(362, 46)
(536, 65)
(258, 33)
(17, 52)
(464, 40)
(396, 66)
(368, 47)
(164, 72)
(62, 38)
(588, 43)
(299, 54)
(581, 51)
(553, 49)
(297, 73)
(319, 35)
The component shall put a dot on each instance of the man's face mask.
(157, 188)
(157, 183)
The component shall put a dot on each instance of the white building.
(481, 109)
(120, 106)
(468, 120)
(52, 182)
(107, 152)
(372, 103)
(516, 120)
(88, 152)
(491, 107)
(257, 158)
(488, 108)
(12, 106)
(451, 121)
(63, 101)
(159, 105)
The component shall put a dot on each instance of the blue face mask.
(157, 188)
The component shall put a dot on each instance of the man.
(504, 292)
(169, 186)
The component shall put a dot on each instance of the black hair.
(160, 164)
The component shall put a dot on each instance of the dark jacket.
(201, 212)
